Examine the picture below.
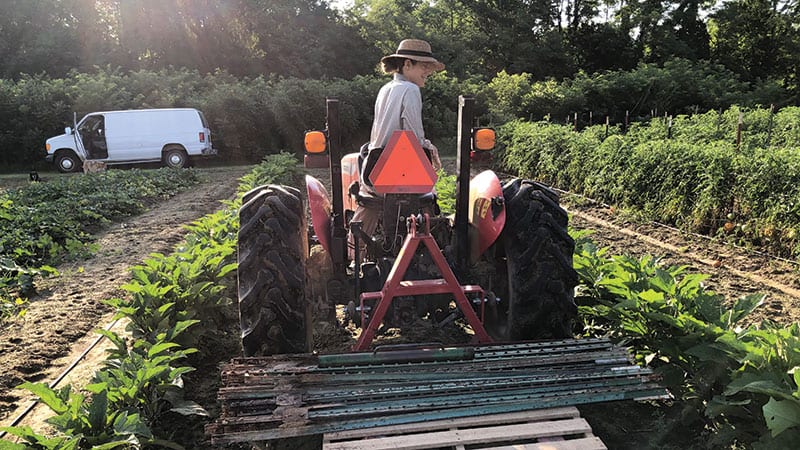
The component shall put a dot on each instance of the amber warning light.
(403, 167)
(483, 139)
(315, 142)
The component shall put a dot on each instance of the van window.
(203, 119)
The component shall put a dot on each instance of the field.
(59, 322)
(60, 319)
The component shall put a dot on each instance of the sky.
(341, 4)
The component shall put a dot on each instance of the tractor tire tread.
(272, 250)
(539, 254)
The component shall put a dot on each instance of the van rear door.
(205, 137)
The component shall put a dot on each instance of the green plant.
(446, 192)
(766, 380)
(742, 382)
(273, 169)
(695, 178)
(142, 379)
(145, 377)
(86, 423)
(43, 224)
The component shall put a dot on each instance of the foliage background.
(259, 69)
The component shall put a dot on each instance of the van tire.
(68, 161)
(175, 158)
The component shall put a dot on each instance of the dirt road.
(61, 319)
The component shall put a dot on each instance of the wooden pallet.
(556, 428)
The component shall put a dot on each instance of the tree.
(37, 36)
(753, 39)
(603, 46)
(306, 38)
(523, 36)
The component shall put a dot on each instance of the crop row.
(176, 304)
(735, 384)
(45, 223)
(696, 177)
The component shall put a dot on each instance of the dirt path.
(61, 319)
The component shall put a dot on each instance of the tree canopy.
(259, 67)
(550, 39)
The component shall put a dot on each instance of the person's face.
(417, 73)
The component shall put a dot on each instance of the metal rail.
(292, 395)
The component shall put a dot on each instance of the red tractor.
(503, 262)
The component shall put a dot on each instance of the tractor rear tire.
(538, 253)
(273, 248)
(273, 311)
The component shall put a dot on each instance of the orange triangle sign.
(403, 167)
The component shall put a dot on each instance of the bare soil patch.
(61, 318)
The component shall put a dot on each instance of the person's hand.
(435, 161)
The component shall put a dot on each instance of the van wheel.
(175, 158)
(68, 162)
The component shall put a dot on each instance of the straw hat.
(415, 49)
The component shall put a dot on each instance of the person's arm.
(411, 115)
(412, 120)
(435, 161)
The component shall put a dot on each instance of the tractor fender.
(320, 205)
(487, 212)
(350, 170)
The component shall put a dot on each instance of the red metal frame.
(395, 286)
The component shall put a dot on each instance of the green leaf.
(48, 396)
(23, 432)
(664, 281)
(131, 424)
(652, 296)
(706, 352)
(124, 444)
(758, 383)
(721, 405)
(781, 415)
(743, 307)
(98, 410)
(160, 348)
(227, 269)
(182, 325)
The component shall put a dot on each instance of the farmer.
(398, 107)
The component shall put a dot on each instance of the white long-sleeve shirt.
(397, 107)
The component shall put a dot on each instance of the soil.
(734, 271)
(61, 318)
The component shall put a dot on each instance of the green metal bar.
(611, 356)
(295, 395)
(397, 357)
(478, 410)
(459, 400)
(466, 382)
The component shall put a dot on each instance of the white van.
(169, 136)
